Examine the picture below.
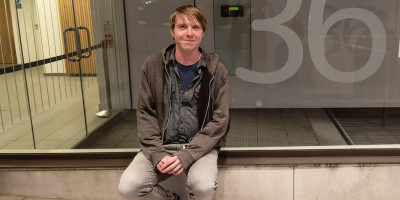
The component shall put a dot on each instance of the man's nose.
(189, 31)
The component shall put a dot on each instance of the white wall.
(40, 32)
(23, 28)
(50, 31)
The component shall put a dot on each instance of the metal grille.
(249, 128)
(370, 125)
(119, 132)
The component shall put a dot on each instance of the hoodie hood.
(210, 58)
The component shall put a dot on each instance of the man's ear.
(172, 33)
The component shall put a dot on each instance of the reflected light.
(259, 103)
(226, 27)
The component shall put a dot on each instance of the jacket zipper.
(170, 106)
(208, 103)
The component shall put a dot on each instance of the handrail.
(36, 63)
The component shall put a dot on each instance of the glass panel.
(15, 125)
(61, 123)
(303, 73)
(232, 30)
(100, 70)
(149, 34)
(64, 95)
(291, 62)
(308, 56)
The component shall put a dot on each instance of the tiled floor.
(56, 109)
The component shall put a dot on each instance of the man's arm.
(148, 127)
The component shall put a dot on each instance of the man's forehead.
(186, 19)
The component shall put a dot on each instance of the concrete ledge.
(296, 173)
(291, 182)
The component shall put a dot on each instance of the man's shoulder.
(162, 56)
(153, 61)
(157, 57)
(216, 66)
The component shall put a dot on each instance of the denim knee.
(131, 188)
(202, 188)
(127, 189)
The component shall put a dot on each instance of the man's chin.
(189, 48)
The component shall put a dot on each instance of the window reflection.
(302, 73)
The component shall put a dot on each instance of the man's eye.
(182, 26)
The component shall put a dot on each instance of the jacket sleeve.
(208, 137)
(147, 122)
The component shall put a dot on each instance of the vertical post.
(107, 112)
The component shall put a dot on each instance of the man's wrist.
(156, 157)
(185, 158)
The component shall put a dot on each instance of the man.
(182, 115)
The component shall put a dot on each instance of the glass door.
(56, 85)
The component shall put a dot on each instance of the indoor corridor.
(56, 107)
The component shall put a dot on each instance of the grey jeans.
(141, 180)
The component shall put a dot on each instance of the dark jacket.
(153, 108)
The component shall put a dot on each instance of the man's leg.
(139, 181)
(203, 177)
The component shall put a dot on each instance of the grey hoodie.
(153, 109)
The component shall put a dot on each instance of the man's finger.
(176, 166)
(176, 169)
(179, 172)
(171, 168)
(163, 164)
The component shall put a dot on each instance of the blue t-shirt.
(187, 73)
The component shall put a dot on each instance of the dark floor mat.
(259, 127)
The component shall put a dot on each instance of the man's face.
(188, 33)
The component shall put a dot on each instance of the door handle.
(88, 38)
(77, 43)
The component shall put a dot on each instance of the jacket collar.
(210, 58)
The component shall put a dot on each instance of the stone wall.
(272, 182)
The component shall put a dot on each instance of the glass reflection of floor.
(366, 126)
(56, 107)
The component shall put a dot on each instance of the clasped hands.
(170, 165)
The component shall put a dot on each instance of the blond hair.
(188, 11)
